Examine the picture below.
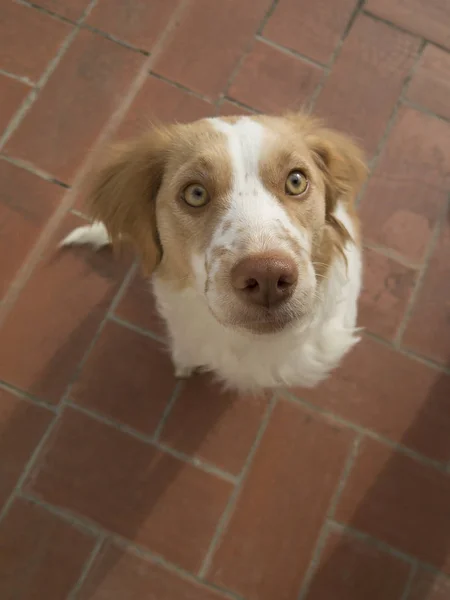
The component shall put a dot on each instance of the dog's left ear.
(342, 164)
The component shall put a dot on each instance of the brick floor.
(119, 487)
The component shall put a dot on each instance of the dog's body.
(249, 229)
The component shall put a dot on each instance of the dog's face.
(241, 209)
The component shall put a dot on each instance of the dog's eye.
(195, 195)
(296, 183)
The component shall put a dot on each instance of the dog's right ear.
(122, 193)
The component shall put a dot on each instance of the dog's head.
(241, 209)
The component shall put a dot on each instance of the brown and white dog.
(248, 228)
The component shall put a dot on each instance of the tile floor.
(115, 487)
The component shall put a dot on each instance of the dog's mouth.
(261, 322)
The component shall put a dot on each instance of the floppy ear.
(342, 164)
(123, 193)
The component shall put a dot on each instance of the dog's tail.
(94, 235)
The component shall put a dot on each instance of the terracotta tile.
(351, 569)
(400, 501)
(131, 488)
(428, 331)
(71, 9)
(128, 377)
(391, 394)
(386, 291)
(268, 543)
(121, 574)
(314, 29)
(408, 188)
(56, 316)
(430, 85)
(431, 19)
(271, 80)
(12, 93)
(70, 112)
(361, 92)
(135, 22)
(22, 30)
(160, 101)
(209, 423)
(26, 204)
(208, 43)
(41, 555)
(22, 425)
(429, 586)
(229, 109)
(138, 306)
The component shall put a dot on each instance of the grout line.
(180, 86)
(238, 103)
(46, 11)
(65, 205)
(232, 501)
(12, 389)
(409, 582)
(432, 243)
(168, 409)
(30, 99)
(267, 16)
(374, 161)
(114, 39)
(437, 465)
(392, 254)
(200, 464)
(146, 332)
(365, 537)
(87, 568)
(325, 530)
(410, 354)
(424, 110)
(335, 55)
(28, 467)
(27, 166)
(21, 78)
(293, 53)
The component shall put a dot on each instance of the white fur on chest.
(295, 357)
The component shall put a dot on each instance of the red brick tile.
(22, 424)
(386, 291)
(312, 28)
(431, 18)
(122, 574)
(363, 87)
(71, 9)
(206, 419)
(409, 186)
(351, 569)
(55, 317)
(22, 30)
(271, 80)
(138, 306)
(127, 377)
(135, 22)
(391, 394)
(12, 93)
(41, 556)
(399, 501)
(268, 543)
(26, 203)
(131, 488)
(208, 43)
(159, 101)
(229, 109)
(428, 332)
(430, 85)
(68, 115)
(429, 586)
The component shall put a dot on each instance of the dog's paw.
(94, 235)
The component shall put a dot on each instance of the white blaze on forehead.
(252, 209)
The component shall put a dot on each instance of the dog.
(248, 231)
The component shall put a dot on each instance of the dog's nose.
(265, 279)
